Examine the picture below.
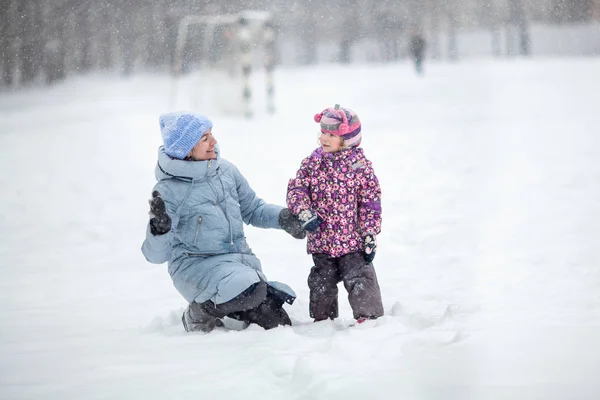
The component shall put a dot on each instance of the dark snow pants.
(258, 304)
(359, 280)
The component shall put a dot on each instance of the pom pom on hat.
(181, 131)
(341, 122)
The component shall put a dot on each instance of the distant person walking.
(417, 50)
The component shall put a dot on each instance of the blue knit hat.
(181, 131)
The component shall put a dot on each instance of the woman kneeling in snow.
(197, 210)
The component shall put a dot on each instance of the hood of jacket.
(168, 167)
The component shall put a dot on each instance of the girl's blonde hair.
(342, 145)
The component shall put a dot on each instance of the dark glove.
(370, 246)
(160, 222)
(310, 220)
(290, 223)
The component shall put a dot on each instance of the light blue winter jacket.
(206, 250)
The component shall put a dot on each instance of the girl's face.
(205, 148)
(330, 143)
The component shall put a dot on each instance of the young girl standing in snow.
(337, 198)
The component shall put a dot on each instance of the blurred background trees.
(43, 41)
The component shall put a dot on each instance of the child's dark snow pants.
(359, 280)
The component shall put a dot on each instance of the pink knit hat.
(341, 122)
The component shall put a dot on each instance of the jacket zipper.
(221, 206)
(225, 212)
(200, 217)
(197, 230)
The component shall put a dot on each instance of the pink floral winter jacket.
(343, 189)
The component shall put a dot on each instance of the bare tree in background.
(450, 8)
(388, 26)
(157, 50)
(55, 41)
(308, 34)
(104, 37)
(488, 17)
(434, 31)
(9, 32)
(350, 30)
(126, 36)
(32, 52)
(518, 19)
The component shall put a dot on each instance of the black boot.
(269, 314)
(196, 319)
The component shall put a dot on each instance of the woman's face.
(205, 148)
(330, 143)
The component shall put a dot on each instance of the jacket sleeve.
(369, 202)
(298, 192)
(157, 249)
(255, 211)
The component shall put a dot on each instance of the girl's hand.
(310, 220)
(370, 246)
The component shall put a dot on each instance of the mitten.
(310, 220)
(369, 248)
(160, 222)
(290, 223)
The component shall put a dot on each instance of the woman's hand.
(160, 222)
(290, 223)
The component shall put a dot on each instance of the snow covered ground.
(488, 259)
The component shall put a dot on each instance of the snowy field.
(488, 259)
